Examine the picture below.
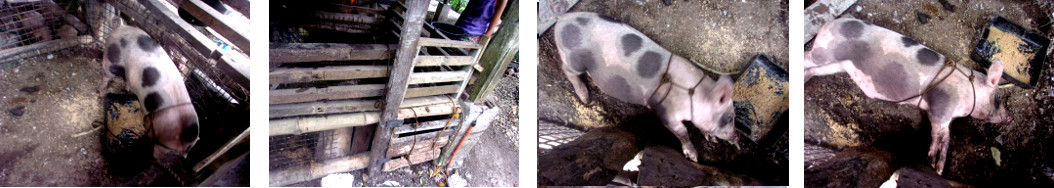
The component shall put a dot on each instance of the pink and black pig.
(892, 67)
(627, 65)
(151, 75)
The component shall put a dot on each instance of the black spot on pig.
(908, 42)
(939, 100)
(572, 37)
(582, 21)
(146, 43)
(852, 29)
(631, 43)
(153, 101)
(113, 53)
(582, 60)
(150, 76)
(117, 70)
(853, 50)
(649, 63)
(124, 42)
(927, 57)
(609, 19)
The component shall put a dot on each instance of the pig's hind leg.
(823, 70)
(577, 82)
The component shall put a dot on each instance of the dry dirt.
(838, 115)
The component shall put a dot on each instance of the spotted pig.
(627, 65)
(889, 66)
(148, 72)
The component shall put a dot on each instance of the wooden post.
(496, 57)
(404, 64)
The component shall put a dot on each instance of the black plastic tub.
(761, 100)
(1022, 51)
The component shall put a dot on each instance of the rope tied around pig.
(150, 116)
(933, 84)
(666, 80)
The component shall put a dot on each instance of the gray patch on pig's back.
(940, 102)
(146, 43)
(648, 64)
(582, 60)
(908, 42)
(150, 76)
(927, 57)
(570, 36)
(124, 42)
(153, 101)
(893, 80)
(852, 29)
(853, 50)
(582, 21)
(631, 43)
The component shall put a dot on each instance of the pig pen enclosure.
(610, 142)
(53, 127)
(844, 129)
(373, 87)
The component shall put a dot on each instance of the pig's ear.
(995, 71)
(723, 90)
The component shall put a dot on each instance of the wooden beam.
(317, 170)
(242, 6)
(223, 150)
(592, 159)
(437, 77)
(497, 57)
(449, 43)
(308, 74)
(415, 158)
(218, 22)
(302, 125)
(284, 96)
(667, 166)
(345, 106)
(402, 146)
(431, 61)
(369, 10)
(296, 95)
(428, 125)
(349, 18)
(315, 52)
(397, 87)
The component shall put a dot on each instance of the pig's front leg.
(939, 144)
(105, 82)
(678, 129)
(580, 86)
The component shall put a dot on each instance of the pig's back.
(623, 62)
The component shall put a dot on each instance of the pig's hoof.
(691, 155)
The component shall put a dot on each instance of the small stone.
(456, 181)
(923, 18)
(18, 111)
(31, 89)
(996, 157)
(51, 56)
(391, 183)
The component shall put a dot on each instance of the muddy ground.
(838, 115)
(494, 162)
(723, 36)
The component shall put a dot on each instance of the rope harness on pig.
(666, 80)
(933, 84)
(150, 116)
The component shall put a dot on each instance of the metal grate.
(30, 28)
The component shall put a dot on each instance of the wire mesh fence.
(30, 28)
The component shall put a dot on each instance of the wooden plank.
(223, 150)
(360, 143)
(348, 8)
(397, 87)
(496, 57)
(416, 158)
(317, 170)
(338, 144)
(667, 166)
(429, 61)
(315, 52)
(592, 159)
(242, 6)
(346, 106)
(449, 43)
(821, 12)
(349, 18)
(437, 77)
(220, 23)
(296, 95)
(428, 125)
(284, 96)
(402, 146)
(308, 74)
(302, 125)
